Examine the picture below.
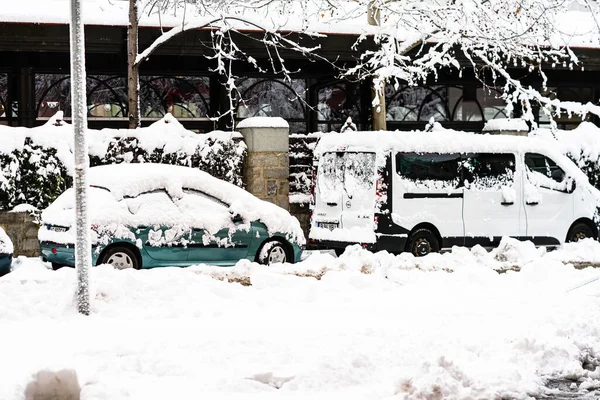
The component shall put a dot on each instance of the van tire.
(580, 231)
(423, 242)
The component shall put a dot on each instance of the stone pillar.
(267, 167)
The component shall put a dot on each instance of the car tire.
(422, 242)
(274, 252)
(120, 257)
(580, 231)
(338, 251)
(57, 266)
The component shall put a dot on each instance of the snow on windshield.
(351, 173)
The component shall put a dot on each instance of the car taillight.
(54, 251)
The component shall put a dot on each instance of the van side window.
(488, 171)
(431, 170)
(543, 171)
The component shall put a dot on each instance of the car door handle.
(532, 203)
(332, 204)
(507, 203)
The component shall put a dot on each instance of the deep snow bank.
(373, 326)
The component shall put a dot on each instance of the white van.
(426, 191)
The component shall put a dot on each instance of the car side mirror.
(235, 218)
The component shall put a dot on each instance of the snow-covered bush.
(36, 164)
(301, 160)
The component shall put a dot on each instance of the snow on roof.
(506, 124)
(263, 122)
(575, 27)
(115, 13)
(442, 140)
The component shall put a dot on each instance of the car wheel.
(120, 258)
(423, 242)
(57, 266)
(272, 253)
(338, 252)
(580, 231)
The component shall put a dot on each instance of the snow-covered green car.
(6, 253)
(152, 215)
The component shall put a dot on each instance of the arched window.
(416, 103)
(273, 98)
(183, 97)
(337, 102)
(461, 104)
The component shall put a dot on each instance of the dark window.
(337, 102)
(489, 168)
(273, 98)
(429, 167)
(543, 165)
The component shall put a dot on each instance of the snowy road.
(372, 327)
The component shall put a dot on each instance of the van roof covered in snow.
(442, 140)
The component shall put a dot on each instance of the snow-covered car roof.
(110, 184)
(443, 141)
(6, 246)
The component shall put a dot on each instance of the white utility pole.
(83, 251)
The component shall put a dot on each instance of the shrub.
(36, 164)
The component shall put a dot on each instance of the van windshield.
(351, 173)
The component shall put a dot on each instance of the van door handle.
(507, 203)
(332, 204)
(532, 203)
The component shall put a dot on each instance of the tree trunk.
(83, 250)
(378, 112)
(133, 74)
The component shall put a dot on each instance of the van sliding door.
(427, 189)
(493, 199)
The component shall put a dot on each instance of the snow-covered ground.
(362, 326)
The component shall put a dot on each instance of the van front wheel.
(423, 242)
(580, 231)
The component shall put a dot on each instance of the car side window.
(429, 170)
(154, 207)
(543, 171)
(488, 171)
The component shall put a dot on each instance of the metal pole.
(83, 252)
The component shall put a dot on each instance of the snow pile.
(263, 122)
(114, 203)
(6, 246)
(506, 124)
(370, 327)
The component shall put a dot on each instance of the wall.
(22, 230)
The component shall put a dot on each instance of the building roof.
(577, 28)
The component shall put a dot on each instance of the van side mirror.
(558, 175)
(571, 185)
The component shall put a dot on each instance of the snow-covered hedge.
(301, 158)
(36, 164)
